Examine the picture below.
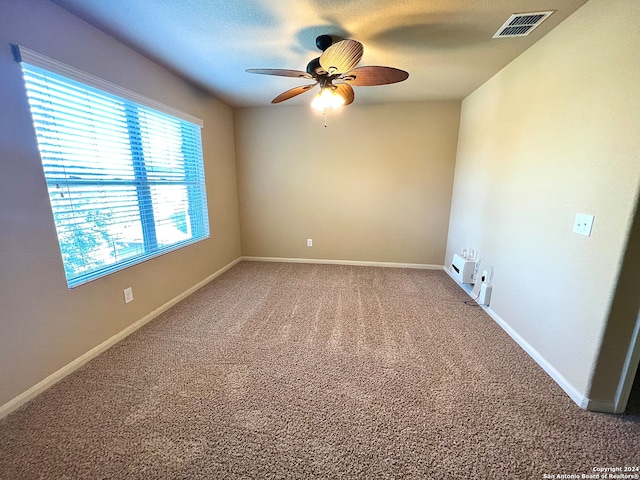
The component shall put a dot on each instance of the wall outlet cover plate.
(583, 224)
(128, 295)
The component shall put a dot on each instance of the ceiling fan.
(335, 71)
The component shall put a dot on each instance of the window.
(125, 180)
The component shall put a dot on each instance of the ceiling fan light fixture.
(337, 62)
(327, 98)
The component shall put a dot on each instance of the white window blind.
(126, 182)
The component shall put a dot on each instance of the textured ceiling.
(445, 45)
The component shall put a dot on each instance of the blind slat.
(26, 55)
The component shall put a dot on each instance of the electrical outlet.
(583, 224)
(128, 295)
(309, 242)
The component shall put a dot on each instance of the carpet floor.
(314, 371)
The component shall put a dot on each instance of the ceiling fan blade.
(341, 56)
(367, 76)
(292, 93)
(279, 72)
(346, 92)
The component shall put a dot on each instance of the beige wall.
(553, 134)
(375, 185)
(44, 325)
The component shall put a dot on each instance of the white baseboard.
(569, 389)
(321, 261)
(55, 377)
(579, 398)
(604, 406)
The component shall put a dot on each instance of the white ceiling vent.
(521, 24)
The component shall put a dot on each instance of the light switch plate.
(583, 224)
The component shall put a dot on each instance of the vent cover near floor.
(521, 24)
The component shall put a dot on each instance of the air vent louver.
(521, 24)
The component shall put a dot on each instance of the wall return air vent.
(521, 24)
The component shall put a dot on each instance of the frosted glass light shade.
(327, 98)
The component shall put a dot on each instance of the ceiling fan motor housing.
(323, 42)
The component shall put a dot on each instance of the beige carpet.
(314, 371)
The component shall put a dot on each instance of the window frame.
(151, 249)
